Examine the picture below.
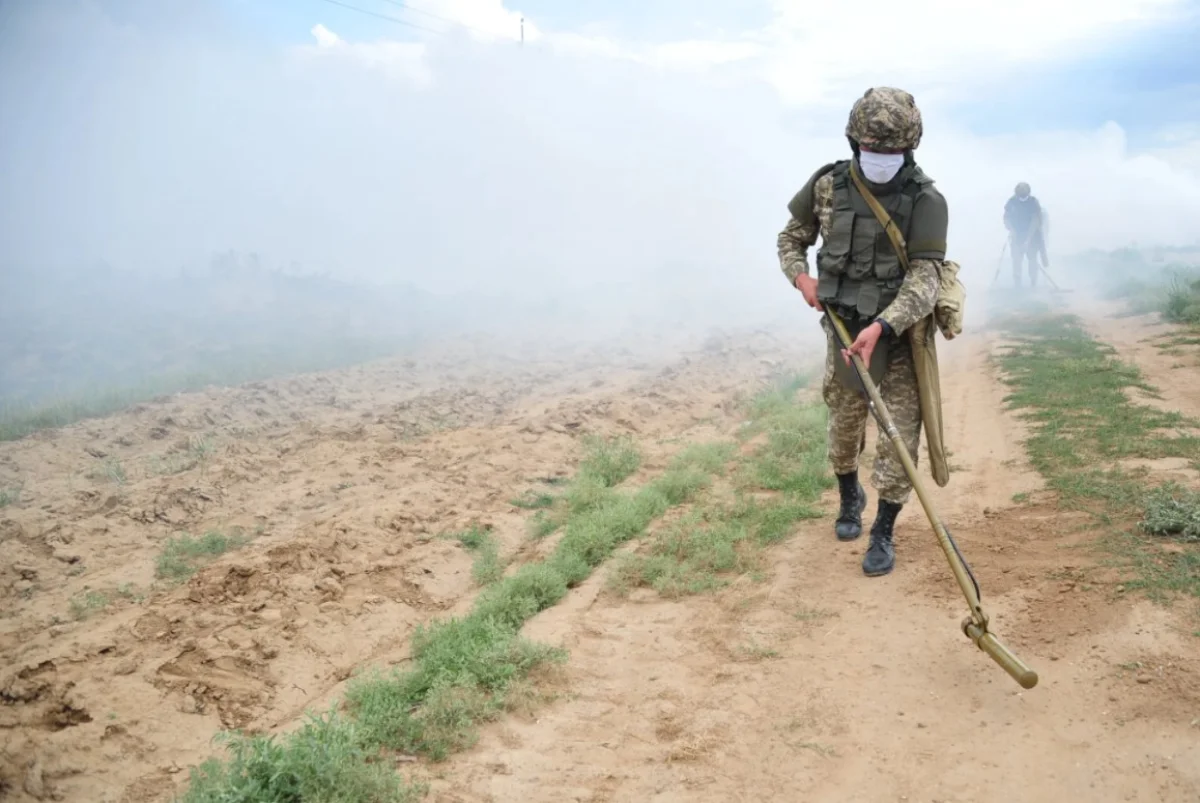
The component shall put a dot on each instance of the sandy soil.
(814, 684)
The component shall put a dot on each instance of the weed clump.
(533, 500)
(1174, 511)
(182, 556)
(326, 760)
(1182, 302)
(89, 601)
(609, 461)
(488, 566)
(110, 470)
(85, 604)
(605, 465)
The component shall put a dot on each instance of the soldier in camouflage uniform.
(860, 276)
(1023, 219)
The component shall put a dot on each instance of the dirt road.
(822, 685)
(812, 683)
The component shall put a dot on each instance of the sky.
(628, 148)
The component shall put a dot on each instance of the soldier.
(860, 277)
(1023, 219)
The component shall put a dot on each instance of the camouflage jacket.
(917, 294)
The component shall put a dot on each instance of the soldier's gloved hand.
(807, 285)
(864, 344)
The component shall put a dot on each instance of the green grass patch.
(1182, 302)
(1171, 343)
(89, 602)
(721, 539)
(701, 551)
(1074, 392)
(533, 500)
(488, 566)
(464, 670)
(1148, 283)
(183, 555)
(197, 453)
(325, 761)
(544, 523)
(1139, 296)
(461, 674)
(609, 461)
(1158, 569)
(1173, 511)
(776, 401)
(711, 458)
(1076, 395)
(110, 470)
(793, 459)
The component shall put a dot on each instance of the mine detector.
(975, 626)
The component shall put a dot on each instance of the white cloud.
(401, 60)
(326, 38)
(484, 20)
(816, 50)
(535, 172)
(687, 56)
(819, 54)
(1179, 146)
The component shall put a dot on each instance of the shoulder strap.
(885, 220)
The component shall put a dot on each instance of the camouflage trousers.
(848, 419)
(1024, 248)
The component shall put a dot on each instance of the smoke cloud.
(549, 187)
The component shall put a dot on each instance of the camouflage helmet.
(1022, 189)
(885, 118)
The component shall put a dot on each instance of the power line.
(407, 7)
(384, 17)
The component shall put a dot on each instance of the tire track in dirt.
(875, 694)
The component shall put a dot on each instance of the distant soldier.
(861, 277)
(1024, 220)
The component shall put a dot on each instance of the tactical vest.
(858, 271)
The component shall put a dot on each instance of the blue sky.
(291, 20)
(1145, 80)
(1145, 75)
(161, 131)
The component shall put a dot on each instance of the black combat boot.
(880, 555)
(854, 501)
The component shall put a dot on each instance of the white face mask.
(880, 168)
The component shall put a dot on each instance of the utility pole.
(522, 32)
